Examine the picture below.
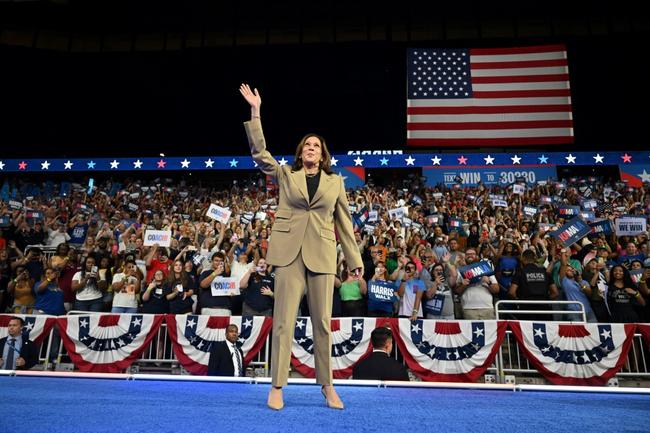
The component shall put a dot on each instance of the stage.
(73, 402)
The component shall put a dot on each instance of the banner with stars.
(580, 354)
(635, 164)
(644, 330)
(350, 344)
(192, 337)
(36, 327)
(449, 351)
(107, 343)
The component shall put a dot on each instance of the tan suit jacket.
(301, 225)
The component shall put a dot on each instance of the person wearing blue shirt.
(577, 289)
(49, 297)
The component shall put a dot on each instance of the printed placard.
(531, 210)
(475, 271)
(605, 227)
(630, 225)
(572, 231)
(397, 213)
(224, 286)
(260, 216)
(160, 237)
(499, 203)
(382, 291)
(518, 189)
(218, 213)
(372, 216)
(15, 205)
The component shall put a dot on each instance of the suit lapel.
(325, 183)
(300, 182)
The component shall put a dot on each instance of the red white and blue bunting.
(350, 344)
(107, 343)
(580, 354)
(192, 337)
(458, 351)
(37, 327)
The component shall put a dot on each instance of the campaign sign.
(434, 305)
(397, 213)
(372, 216)
(568, 211)
(630, 225)
(224, 286)
(589, 204)
(382, 291)
(434, 219)
(369, 229)
(260, 216)
(499, 203)
(456, 224)
(587, 215)
(133, 207)
(218, 213)
(572, 231)
(545, 200)
(5, 221)
(518, 189)
(530, 210)
(15, 205)
(160, 237)
(476, 270)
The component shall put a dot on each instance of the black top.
(533, 283)
(177, 305)
(380, 366)
(220, 362)
(621, 306)
(157, 303)
(312, 184)
(252, 293)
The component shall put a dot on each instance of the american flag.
(488, 97)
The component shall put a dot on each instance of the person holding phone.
(21, 290)
(312, 202)
(257, 287)
(88, 287)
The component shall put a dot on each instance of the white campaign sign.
(630, 226)
(222, 286)
(218, 213)
(160, 237)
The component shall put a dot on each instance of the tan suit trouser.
(290, 284)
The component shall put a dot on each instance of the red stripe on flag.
(490, 110)
(335, 325)
(517, 141)
(520, 64)
(109, 320)
(458, 126)
(524, 93)
(521, 79)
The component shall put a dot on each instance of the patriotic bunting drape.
(581, 354)
(350, 344)
(107, 343)
(37, 327)
(457, 351)
(192, 337)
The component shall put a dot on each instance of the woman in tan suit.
(311, 203)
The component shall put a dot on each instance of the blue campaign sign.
(471, 176)
(568, 211)
(605, 227)
(475, 271)
(572, 231)
(434, 305)
(382, 291)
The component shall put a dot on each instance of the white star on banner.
(334, 161)
(570, 159)
(357, 326)
(435, 160)
(543, 159)
(539, 332)
(358, 161)
(415, 328)
(645, 176)
(29, 326)
(585, 357)
(606, 334)
(136, 321)
(300, 324)
(137, 164)
(83, 323)
(599, 158)
(185, 163)
(248, 323)
(410, 160)
(209, 163)
(190, 323)
(384, 161)
(283, 161)
(68, 165)
(114, 164)
(91, 165)
(489, 160)
(515, 159)
(45, 165)
(233, 162)
(2, 165)
(478, 332)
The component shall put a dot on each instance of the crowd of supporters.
(413, 239)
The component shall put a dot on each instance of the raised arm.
(256, 141)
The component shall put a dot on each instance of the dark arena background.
(121, 127)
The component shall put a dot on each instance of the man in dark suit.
(17, 352)
(226, 359)
(379, 365)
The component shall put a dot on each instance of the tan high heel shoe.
(275, 400)
(338, 405)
